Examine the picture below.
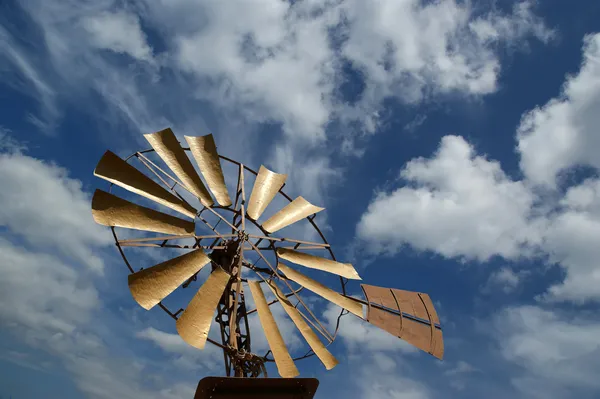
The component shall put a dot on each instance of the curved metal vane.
(316, 262)
(110, 210)
(352, 306)
(266, 186)
(194, 324)
(328, 360)
(152, 285)
(283, 360)
(115, 170)
(205, 153)
(167, 147)
(296, 210)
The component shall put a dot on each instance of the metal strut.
(232, 317)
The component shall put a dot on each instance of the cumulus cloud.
(557, 352)
(462, 205)
(60, 218)
(457, 204)
(49, 293)
(563, 132)
(570, 241)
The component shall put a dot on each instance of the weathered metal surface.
(296, 210)
(283, 360)
(319, 289)
(328, 360)
(167, 147)
(407, 315)
(266, 186)
(194, 323)
(316, 262)
(152, 285)
(256, 388)
(204, 150)
(117, 171)
(110, 210)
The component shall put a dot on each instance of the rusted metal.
(407, 315)
(282, 239)
(257, 388)
(328, 335)
(174, 237)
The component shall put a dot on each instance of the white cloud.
(51, 302)
(461, 367)
(183, 355)
(29, 79)
(459, 205)
(571, 242)
(457, 374)
(462, 205)
(407, 49)
(563, 132)
(60, 217)
(119, 32)
(504, 279)
(557, 352)
(280, 62)
(35, 292)
(380, 377)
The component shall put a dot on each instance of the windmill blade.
(205, 153)
(408, 315)
(328, 360)
(152, 285)
(266, 186)
(117, 171)
(352, 306)
(316, 262)
(167, 147)
(283, 360)
(296, 210)
(110, 210)
(194, 323)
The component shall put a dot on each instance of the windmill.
(243, 253)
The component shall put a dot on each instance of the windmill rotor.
(243, 253)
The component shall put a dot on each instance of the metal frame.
(231, 311)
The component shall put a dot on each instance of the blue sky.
(454, 145)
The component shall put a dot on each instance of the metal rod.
(277, 300)
(328, 336)
(282, 239)
(172, 237)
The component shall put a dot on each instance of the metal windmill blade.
(238, 259)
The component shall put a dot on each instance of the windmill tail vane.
(238, 236)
